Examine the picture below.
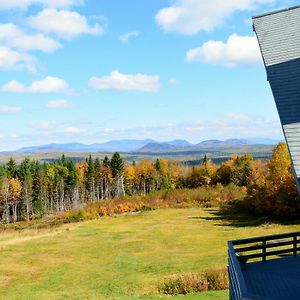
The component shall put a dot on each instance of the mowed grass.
(125, 257)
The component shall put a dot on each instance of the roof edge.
(276, 12)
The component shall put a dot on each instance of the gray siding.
(278, 35)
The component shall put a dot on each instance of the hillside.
(123, 257)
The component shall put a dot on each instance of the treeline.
(31, 189)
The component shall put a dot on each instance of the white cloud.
(46, 125)
(14, 37)
(173, 81)
(9, 30)
(24, 4)
(6, 109)
(47, 85)
(58, 104)
(232, 126)
(35, 42)
(238, 117)
(64, 23)
(222, 128)
(126, 82)
(72, 130)
(192, 16)
(124, 38)
(237, 50)
(108, 130)
(14, 60)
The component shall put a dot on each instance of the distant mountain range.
(147, 146)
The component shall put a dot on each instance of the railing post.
(264, 249)
(295, 245)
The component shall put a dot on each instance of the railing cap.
(264, 238)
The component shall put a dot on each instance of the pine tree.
(90, 178)
(97, 174)
(117, 167)
(106, 161)
(25, 173)
(157, 165)
(11, 167)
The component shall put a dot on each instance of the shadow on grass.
(232, 217)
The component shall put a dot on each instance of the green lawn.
(120, 258)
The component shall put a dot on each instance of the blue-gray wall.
(278, 35)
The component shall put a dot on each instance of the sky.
(90, 71)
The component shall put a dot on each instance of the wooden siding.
(279, 39)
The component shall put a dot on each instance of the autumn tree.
(275, 191)
(146, 174)
(130, 179)
(15, 192)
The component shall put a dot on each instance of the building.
(268, 268)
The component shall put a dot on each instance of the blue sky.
(96, 70)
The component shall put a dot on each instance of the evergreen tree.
(157, 165)
(11, 167)
(97, 175)
(117, 167)
(25, 173)
(106, 161)
(90, 178)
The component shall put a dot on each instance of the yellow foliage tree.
(15, 192)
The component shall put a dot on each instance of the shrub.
(217, 280)
(102, 211)
(75, 216)
(147, 208)
(212, 280)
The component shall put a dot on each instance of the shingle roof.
(276, 12)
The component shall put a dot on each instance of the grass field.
(123, 257)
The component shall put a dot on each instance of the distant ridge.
(226, 143)
(111, 146)
(146, 145)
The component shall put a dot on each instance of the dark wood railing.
(241, 252)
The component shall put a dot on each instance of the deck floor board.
(274, 279)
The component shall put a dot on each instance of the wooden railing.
(241, 252)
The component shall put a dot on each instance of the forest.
(32, 189)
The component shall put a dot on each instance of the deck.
(265, 268)
(274, 279)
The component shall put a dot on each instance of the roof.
(275, 12)
(279, 35)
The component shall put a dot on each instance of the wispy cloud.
(7, 109)
(126, 82)
(73, 129)
(192, 16)
(124, 38)
(56, 104)
(15, 60)
(45, 125)
(47, 85)
(63, 23)
(13, 37)
(234, 125)
(24, 4)
(173, 81)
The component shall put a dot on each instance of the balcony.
(265, 268)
